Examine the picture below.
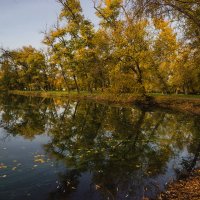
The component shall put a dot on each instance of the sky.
(22, 21)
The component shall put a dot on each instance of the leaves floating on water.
(39, 159)
(14, 168)
(97, 187)
(2, 166)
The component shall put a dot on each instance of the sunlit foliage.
(138, 47)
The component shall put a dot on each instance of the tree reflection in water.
(126, 150)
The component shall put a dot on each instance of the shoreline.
(183, 103)
(186, 188)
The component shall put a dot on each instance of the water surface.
(61, 149)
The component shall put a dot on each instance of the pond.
(64, 149)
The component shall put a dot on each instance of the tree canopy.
(138, 47)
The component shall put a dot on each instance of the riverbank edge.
(187, 187)
(190, 104)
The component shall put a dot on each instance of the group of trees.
(139, 46)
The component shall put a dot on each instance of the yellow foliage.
(160, 23)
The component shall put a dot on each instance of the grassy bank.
(188, 103)
(97, 96)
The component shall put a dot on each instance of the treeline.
(139, 46)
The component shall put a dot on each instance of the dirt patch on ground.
(187, 189)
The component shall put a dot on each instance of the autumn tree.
(24, 68)
(138, 47)
(188, 10)
(9, 74)
(71, 46)
(164, 53)
(128, 47)
(185, 74)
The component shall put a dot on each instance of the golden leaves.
(3, 166)
(39, 159)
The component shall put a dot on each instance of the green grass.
(97, 95)
(174, 95)
(102, 95)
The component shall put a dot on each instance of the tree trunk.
(77, 88)
(64, 77)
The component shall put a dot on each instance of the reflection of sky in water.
(27, 171)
